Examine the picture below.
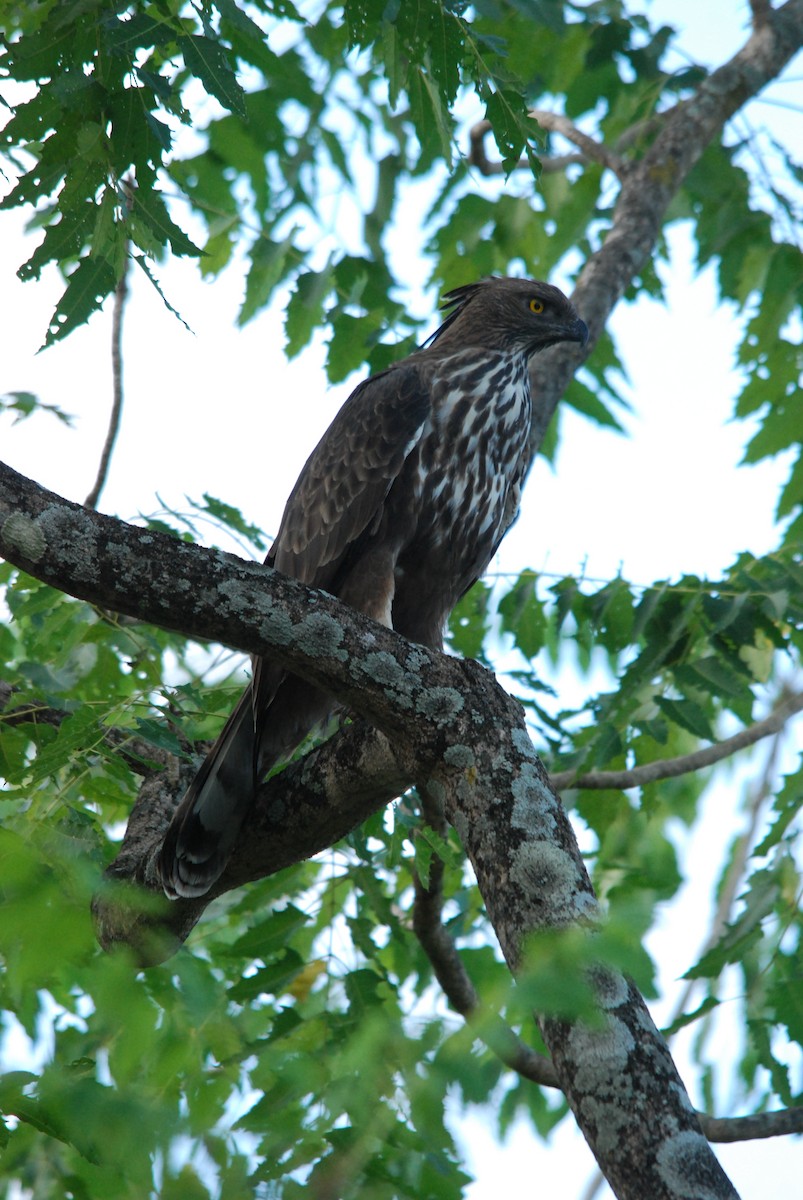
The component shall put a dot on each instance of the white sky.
(221, 411)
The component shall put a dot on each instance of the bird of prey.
(398, 511)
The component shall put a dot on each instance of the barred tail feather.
(208, 819)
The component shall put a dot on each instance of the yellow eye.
(536, 306)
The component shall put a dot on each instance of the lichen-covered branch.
(513, 1052)
(210, 595)
(532, 878)
(454, 731)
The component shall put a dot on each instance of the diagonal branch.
(500, 1038)
(761, 12)
(590, 148)
(649, 186)
(697, 760)
(452, 730)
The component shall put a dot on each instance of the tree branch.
(458, 734)
(500, 1038)
(755, 1128)
(648, 187)
(590, 148)
(477, 156)
(120, 296)
(697, 760)
(761, 12)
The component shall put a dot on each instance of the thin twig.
(120, 295)
(478, 157)
(735, 871)
(753, 1128)
(669, 768)
(588, 148)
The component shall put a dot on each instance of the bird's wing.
(344, 483)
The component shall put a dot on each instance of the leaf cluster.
(686, 663)
(283, 1051)
(299, 1042)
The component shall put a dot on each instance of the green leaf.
(745, 931)
(230, 517)
(583, 400)
(270, 935)
(270, 262)
(208, 60)
(305, 309)
(142, 262)
(150, 209)
(523, 615)
(272, 980)
(80, 730)
(88, 286)
(708, 1005)
(25, 404)
(688, 715)
(469, 622)
(512, 128)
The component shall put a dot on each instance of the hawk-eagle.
(398, 510)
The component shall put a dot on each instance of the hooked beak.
(578, 332)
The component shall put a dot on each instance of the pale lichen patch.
(321, 635)
(544, 869)
(688, 1167)
(461, 825)
(521, 740)
(533, 803)
(459, 756)
(384, 668)
(416, 660)
(610, 987)
(125, 562)
(439, 704)
(277, 626)
(601, 1055)
(24, 535)
(549, 874)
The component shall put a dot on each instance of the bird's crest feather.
(454, 303)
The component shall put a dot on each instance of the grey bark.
(463, 740)
(462, 737)
(649, 183)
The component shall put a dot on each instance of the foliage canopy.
(296, 1044)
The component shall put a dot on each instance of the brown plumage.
(398, 510)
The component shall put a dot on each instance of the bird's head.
(508, 313)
